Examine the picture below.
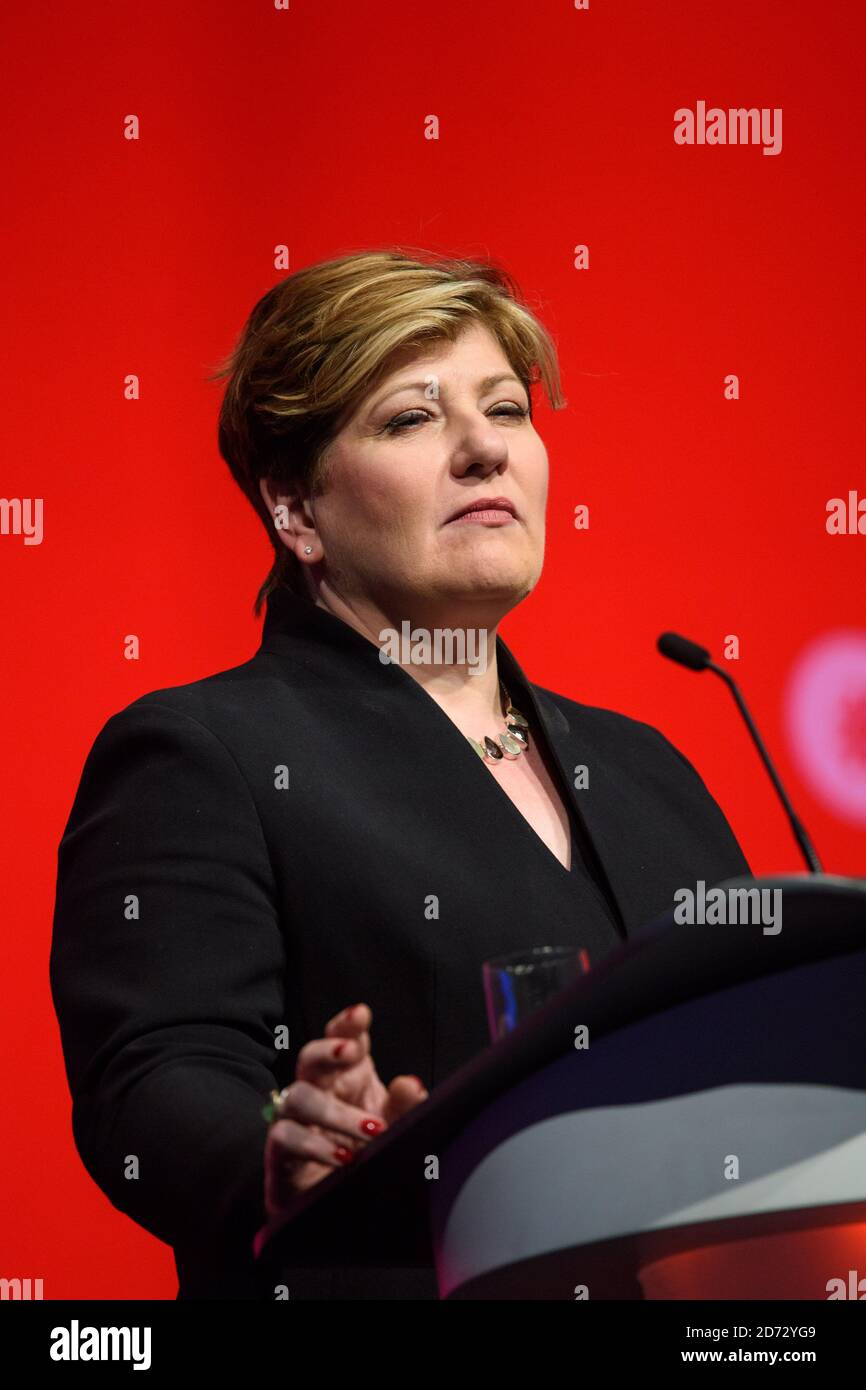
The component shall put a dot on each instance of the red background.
(305, 126)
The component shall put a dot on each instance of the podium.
(687, 1120)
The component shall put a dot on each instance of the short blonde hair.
(315, 344)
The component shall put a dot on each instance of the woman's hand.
(336, 1104)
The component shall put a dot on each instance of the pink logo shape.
(825, 720)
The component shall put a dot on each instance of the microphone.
(696, 658)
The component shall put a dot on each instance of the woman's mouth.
(489, 516)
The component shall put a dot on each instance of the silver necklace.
(513, 741)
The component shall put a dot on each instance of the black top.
(262, 848)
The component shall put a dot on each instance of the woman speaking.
(284, 878)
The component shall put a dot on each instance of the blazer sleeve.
(705, 818)
(167, 970)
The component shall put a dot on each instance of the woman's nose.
(480, 447)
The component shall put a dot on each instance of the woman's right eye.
(400, 421)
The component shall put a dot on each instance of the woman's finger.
(309, 1104)
(356, 1017)
(404, 1093)
(324, 1057)
(353, 1022)
(290, 1140)
(296, 1157)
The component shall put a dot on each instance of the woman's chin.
(508, 582)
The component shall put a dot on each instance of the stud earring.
(308, 550)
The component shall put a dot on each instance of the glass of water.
(517, 984)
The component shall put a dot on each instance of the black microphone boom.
(696, 658)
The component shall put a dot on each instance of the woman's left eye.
(405, 420)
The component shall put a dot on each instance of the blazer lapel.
(571, 747)
(322, 647)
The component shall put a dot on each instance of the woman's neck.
(453, 659)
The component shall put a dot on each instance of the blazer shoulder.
(164, 757)
(667, 774)
(209, 701)
(613, 727)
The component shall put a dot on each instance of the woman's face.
(432, 437)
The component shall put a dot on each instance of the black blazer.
(202, 903)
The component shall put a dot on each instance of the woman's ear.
(271, 496)
(292, 519)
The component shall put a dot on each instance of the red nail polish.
(372, 1126)
(343, 1155)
